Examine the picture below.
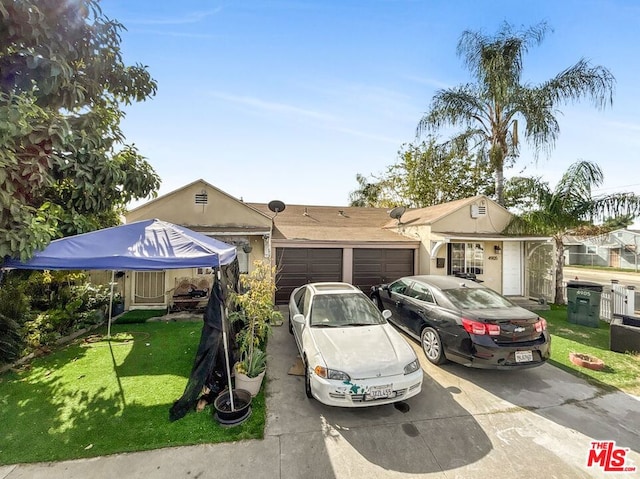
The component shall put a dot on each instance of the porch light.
(496, 249)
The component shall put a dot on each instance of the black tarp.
(209, 367)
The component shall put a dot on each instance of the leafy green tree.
(488, 111)
(64, 165)
(368, 193)
(424, 175)
(571, 208)
(429, 174)
(521, 193)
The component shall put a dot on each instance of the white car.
(352, 356)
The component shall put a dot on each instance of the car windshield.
(476, 298)
(344, 310)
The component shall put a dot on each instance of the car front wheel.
(432, 346)
(290, 325)
(307, 380)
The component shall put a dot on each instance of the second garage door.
(375, 266)
(298, 266)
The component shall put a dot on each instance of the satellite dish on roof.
(276, 206)
(397, 212)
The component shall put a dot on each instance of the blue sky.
(291, 99)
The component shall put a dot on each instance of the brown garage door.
(375, 266)
(298, 266)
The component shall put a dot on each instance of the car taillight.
(541, 325)
(476, 327)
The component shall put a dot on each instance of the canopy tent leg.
(113, 274)
(225, 328)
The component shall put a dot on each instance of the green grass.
(139, 315)
(94, 398)
(602, 268)
(622, 371)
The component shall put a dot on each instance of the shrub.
(37, 308)
(256, 314)
(51, 289)
(39, 332)
(91, 297)
(14, 311)
(10, 339)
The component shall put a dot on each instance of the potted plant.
(257, 314)
(250, 371)
(117, 305)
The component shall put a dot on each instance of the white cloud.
(187, 19)
(428, 81)
(269, 106)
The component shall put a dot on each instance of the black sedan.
(463, 321)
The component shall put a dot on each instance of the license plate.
(379, 392)
(524, 356)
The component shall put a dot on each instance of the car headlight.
(331, 374)
(412, 367)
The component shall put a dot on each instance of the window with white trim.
(467, 258)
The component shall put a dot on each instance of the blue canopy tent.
(140, 246)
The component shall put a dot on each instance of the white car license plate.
(524, 356)
(379, 392)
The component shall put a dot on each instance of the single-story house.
(618, 249)
(362, 246)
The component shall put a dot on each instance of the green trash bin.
(584, 303)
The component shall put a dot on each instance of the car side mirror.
(298, 318)
(386, 314)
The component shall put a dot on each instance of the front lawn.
(622, 371)
(139, 315)
(95, 397)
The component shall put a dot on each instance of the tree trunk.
(499, 186)
(559, 298)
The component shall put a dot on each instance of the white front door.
(512, 268)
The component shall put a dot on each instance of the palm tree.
(571, 208)
(489, 109)
(367, 194)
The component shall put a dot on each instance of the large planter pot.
(242, 407)
(242, 381)
(117, 309)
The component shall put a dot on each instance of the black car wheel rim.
(431, 345)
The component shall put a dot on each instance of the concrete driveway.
(465, 424)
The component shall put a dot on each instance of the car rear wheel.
(290, 325)
(307, 380)
(432, 346)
